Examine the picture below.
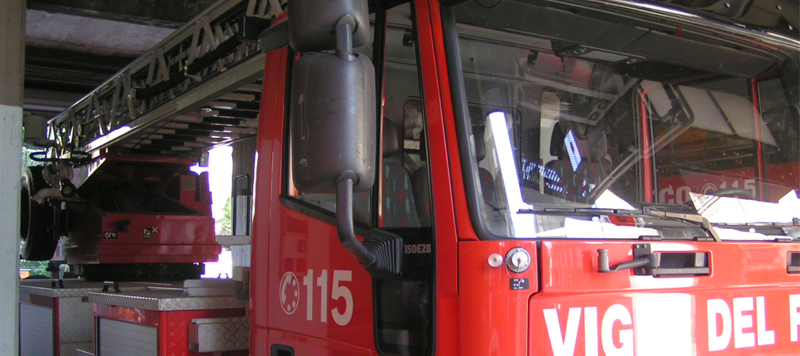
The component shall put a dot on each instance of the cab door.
(319, 299)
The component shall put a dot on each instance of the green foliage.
(26, 159)
(225, 225)
(36, 267)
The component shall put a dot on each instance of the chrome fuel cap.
(518, 260)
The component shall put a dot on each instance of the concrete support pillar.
(12, 52)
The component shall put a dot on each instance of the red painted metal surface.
(741, 307)
(149, 239)
(477, 311)
(129, 315)
(173, 330)
(647, 150)
(268, 173)
(311, 278)
(493, 317)
(444, 183)
(447, 120)
(306, 345)
(172, 326)
(143, 209)
(779, 182)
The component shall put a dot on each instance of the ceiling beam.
(161, 13)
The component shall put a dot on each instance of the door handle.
(659, 264)
(648, 262)
(793, 262)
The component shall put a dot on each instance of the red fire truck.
(533, 177)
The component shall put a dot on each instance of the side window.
(404, 187)
(405, 198)
(404, 307)
(399, 201)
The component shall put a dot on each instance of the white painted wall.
(12, 59)
(10, 163)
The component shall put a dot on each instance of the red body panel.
(268, 173)
(780, 177)
(301, 246)
(444, 183)
(173, 326)
(477, 311)
(749, 300)
(301, 307)
(143, 209)
(149, 239)
(492, 316)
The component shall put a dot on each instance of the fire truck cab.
(525, 178)
(470, 177)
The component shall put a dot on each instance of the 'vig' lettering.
(617, 314)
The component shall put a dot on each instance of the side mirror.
(333, 122)
(332, 112)
(313, 24)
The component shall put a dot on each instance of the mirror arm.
(344, 38)
(344, 217)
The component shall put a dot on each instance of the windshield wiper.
(776, 231)
(672, 212)
(581, 211)
(754, 224)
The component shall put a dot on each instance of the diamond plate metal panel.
(75, 320)
(219, 334)
(164, 300)
(72, 288)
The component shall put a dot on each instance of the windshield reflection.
(573, 125)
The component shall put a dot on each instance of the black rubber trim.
(469, 164)
(280, 350)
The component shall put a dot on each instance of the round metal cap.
(518, 260)
(495, 260)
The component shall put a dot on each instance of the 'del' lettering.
(718, 339)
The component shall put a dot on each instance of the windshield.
(580, 109)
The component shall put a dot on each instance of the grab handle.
(659, 264)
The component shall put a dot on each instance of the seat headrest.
(392, 143)
(557, 142)
(592, 147)
(480, 145)
(595, 146)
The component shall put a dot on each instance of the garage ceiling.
(72, 46)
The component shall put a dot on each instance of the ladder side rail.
(182, 62)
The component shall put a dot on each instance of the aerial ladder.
(114, 198)
(116, 182)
